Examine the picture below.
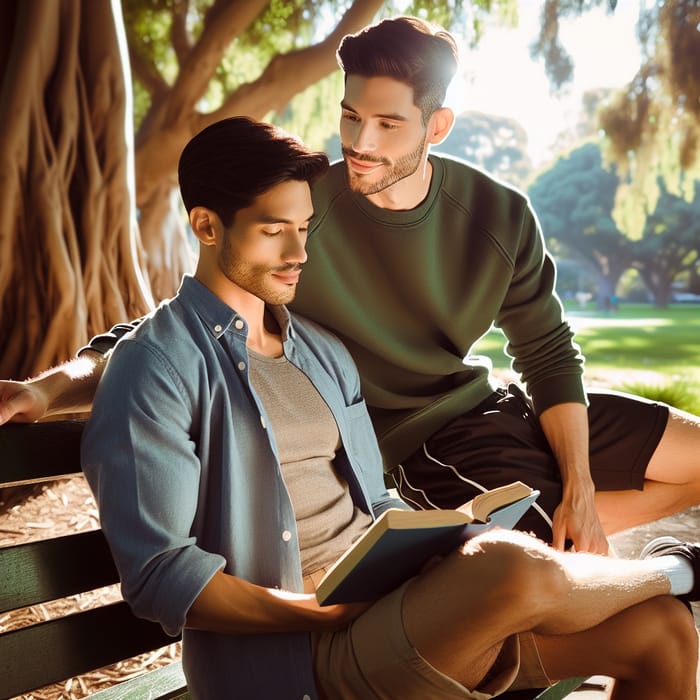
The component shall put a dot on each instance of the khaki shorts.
(373, 659)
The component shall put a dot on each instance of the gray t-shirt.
(307, 440)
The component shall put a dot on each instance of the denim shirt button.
(286, 535)
(217, 328)
(239, 324)
(241, 366)
(306, 697)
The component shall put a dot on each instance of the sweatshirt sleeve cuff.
(556, 390)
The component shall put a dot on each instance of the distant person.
(413, 257)
(233, 461)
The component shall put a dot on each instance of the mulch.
(55, 509)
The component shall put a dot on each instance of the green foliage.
(154, 27)
(575, 200)
(670, 243)
(676, 392)
(312, 114)
(653, 125)
(558, 63)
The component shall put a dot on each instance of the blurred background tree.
(574, 201)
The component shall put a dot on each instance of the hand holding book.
(400, 542)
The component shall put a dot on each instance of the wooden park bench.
(33, 573)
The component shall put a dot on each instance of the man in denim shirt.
(233, 459)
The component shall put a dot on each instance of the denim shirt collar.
(218, 317)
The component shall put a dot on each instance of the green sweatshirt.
(411, 292)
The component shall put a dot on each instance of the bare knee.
(528, 577)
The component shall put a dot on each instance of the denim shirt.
(187, 478)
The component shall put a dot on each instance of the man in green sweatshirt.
(412, 258)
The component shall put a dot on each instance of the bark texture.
(69, 246)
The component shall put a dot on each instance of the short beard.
(402, 168)
(252, 278)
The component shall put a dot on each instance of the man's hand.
(66, 388)
(576, 519)
(231, 605)
(22, 402)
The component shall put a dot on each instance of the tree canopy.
(575, 200)
(497, 144)
(653, 124)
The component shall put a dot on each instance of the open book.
(400, 542)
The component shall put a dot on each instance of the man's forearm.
(231, 605)
(576, 519)
(67, 388)
(70, 388)
(566, 428)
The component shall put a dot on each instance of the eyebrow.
(269, 219)
(394, 116)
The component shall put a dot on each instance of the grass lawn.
(637, 347)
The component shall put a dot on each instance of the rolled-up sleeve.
(140, 461)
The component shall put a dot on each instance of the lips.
(287, 277)
(363, 166)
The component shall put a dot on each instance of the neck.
(264, 334)
(405, 194)
(266, 337)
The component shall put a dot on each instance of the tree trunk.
(69, 245)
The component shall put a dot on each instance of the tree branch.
(225, 20)
(179, 36)
(288, 74)
(161, 141)
(146, 73)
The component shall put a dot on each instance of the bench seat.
(34, 573)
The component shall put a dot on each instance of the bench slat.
(68, 646)
(33, 452)
(49, 569)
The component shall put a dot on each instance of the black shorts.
(501, 441)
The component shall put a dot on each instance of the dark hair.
(407, 49)
(231, 162)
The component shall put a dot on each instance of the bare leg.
(650, 648)
(672, 479)
(506, 582)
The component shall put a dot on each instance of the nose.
(364, 140)
(295, 248)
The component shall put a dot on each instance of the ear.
(204, 222)
(441, 122)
